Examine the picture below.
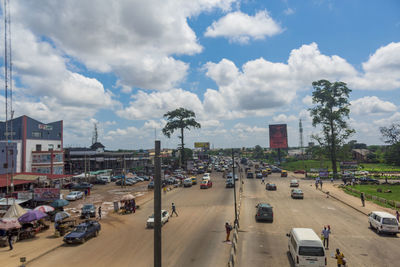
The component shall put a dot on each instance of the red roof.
(3, 178)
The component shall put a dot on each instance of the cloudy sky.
(239, 65)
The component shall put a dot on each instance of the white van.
(306, 248)
(383, 222)
(105, 178)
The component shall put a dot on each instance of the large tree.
(330, 112)
(391, 136)
(180, 119)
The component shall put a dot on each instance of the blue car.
(83, 232)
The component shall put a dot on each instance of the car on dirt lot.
(164, 219)
(83, 232)
(88, 210)
(297, 193)
(294, 183)
(270, 187)
(229, 183)
(81, 186)
(74, 195)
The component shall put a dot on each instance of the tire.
(377, 230)
(370, 226)
(96, 233)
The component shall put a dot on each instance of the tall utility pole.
(157, 205)
(234, 188)
(301, 140)
(8, 92)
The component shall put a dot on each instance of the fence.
(391, 203)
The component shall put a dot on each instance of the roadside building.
(94, 158)
(31, 146)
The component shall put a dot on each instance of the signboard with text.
(46, 194)
(278, 136)
(205, 145)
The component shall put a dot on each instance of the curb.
(344, 202)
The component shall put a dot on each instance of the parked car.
(229, 183)
(294, 183)
(100, 181)
(68, 185)
(250, 175)
(88, 210)
(367, 180)
(297, 193)
(264, 212)
(83, 232)
(164, 219)
(205, 184)
(383, 222)
(82, 186)
(123, 182)
(270, 187)
(150, 185)
(74, 195)
(300, 171)
(187, 182)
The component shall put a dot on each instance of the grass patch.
(371, 190)
(307, 164)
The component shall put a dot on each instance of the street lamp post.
(234, 188)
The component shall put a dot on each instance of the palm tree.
(180, 119)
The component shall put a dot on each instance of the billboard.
(46, 194)
(278, 136)
(205, 145)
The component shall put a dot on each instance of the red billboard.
(278, 136)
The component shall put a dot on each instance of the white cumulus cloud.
(370, 105)
(240, 27)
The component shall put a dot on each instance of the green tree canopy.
(330, 112)
(180, 119)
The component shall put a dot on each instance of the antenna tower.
(301, 137)
(95, 134)
(8, 91)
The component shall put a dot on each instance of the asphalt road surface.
(266, 244)
(195, 238)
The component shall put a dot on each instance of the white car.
(164, 219)
(383, 222)
(187, 182)
(294, 183)
(74, 195)
(206, 176)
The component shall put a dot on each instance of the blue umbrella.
(61, 216)
(58, 203)
(32, 215)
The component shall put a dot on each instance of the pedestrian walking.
(228, 229)
(340, 259)
(86, 192)
(316, 184)
(174, 210)
(397, 215)
(134, 205)
(99, 211)
(10, 239)
(362, 199)
(331, 179)
(325, 233)
(263, 180)
(320, 183)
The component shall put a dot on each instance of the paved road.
(195, 238)
(265, 244)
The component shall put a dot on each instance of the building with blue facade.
(32, 146)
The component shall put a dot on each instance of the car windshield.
(80, 229)
(294, 181)
(390, 221)
(87, 206)
(311, 251)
